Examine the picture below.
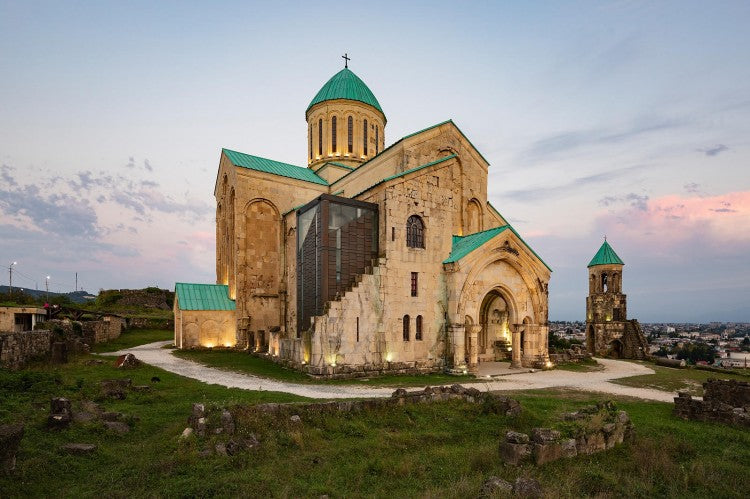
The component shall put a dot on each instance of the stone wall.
(724, 401)
(17, 349)
(106, 329)
(587, 431)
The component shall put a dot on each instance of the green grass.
(585, 365)
(232, 360)
(133, 337)
(429, 450)
(673, 380)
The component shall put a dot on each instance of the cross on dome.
(346, 60)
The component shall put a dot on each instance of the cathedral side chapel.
(370, 259)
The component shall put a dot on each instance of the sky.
(627, 119)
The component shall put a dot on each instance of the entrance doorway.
(496, 319)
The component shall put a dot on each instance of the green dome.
(605, 256)
(345, 85)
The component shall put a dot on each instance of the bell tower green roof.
(606, 256)
(345, 85)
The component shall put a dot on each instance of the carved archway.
(497, 317)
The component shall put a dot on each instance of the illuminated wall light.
(388, 357)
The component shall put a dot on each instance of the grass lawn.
(242, 362)
(673, 380)
(133, 337)
(429, 450)
(584, 366)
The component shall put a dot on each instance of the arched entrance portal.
(496, 319)
(590, 340)
(615, 349)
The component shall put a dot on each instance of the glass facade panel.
(331, 254)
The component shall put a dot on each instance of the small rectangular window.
(414, 283)
(393, 233)
(358, 329)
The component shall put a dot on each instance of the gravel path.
(594, 381)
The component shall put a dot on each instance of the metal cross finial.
(605, 238)
(346, 60)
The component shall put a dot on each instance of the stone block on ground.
(547, 452)
(527, 487)
(10, 439)
(515, 437)
(61, 413)
(514, 454)
(115, 388)
(227, 422)
(544, 435)
(127, 361)
(495, 485)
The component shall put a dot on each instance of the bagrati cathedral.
(371, 259)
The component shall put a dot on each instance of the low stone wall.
(569, 355)
(106, 329)
(17, 349)
(358, 371)
(724, 401)
(590, 430)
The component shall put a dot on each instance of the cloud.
(130, 163)
(715, 150)
(147, 165)
(6, 175)
(539, 193)
(635, 200)
(692, 188)
(567, 141)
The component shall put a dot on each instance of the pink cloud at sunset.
(670, 221)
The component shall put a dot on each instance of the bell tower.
(606, 305)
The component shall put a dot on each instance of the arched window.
(364, 139)
(320, 137)
(350, 134)
(333, 134)
(414, 232)
(604, 283)
(406, 328)
(311, 142)
(418, 334)
(377, 140)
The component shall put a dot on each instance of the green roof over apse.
(203, 296)
(273, 167)
(463, 245)
(345, 85)
(606, 256)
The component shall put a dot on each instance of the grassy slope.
(242, 362)
(133, 337)
(670, 379)
(439, 450)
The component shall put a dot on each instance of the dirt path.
(596, 381)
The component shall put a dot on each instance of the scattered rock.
(141, 388)
(544, 435)
(513, 454)
(115, 388)
(127, 361)
(61, 413)
(295, 419)
(235, 446)
(200, 427)
(515, 437)
(527, 487)
(186, 433)
(10, 439)
(92, 407)
(221, 449)
(547, 452)
(400, 392)
(78, 448)
(495, 485)
(117, 427)
(227, 422)
(568, 448)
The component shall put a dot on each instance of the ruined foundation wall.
(17, 349)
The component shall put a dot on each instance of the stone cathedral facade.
(370, 259)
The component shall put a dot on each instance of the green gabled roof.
(345, 85)
(203, 296)
(405, 172)
(463, 245)
(273, 167)
(606, 256)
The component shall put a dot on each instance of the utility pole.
(46, 285)
(10, 277)
(76, 289)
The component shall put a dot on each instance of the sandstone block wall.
(724, 401)
(17, 349)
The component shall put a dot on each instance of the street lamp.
(10, 277)
(46, 285)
